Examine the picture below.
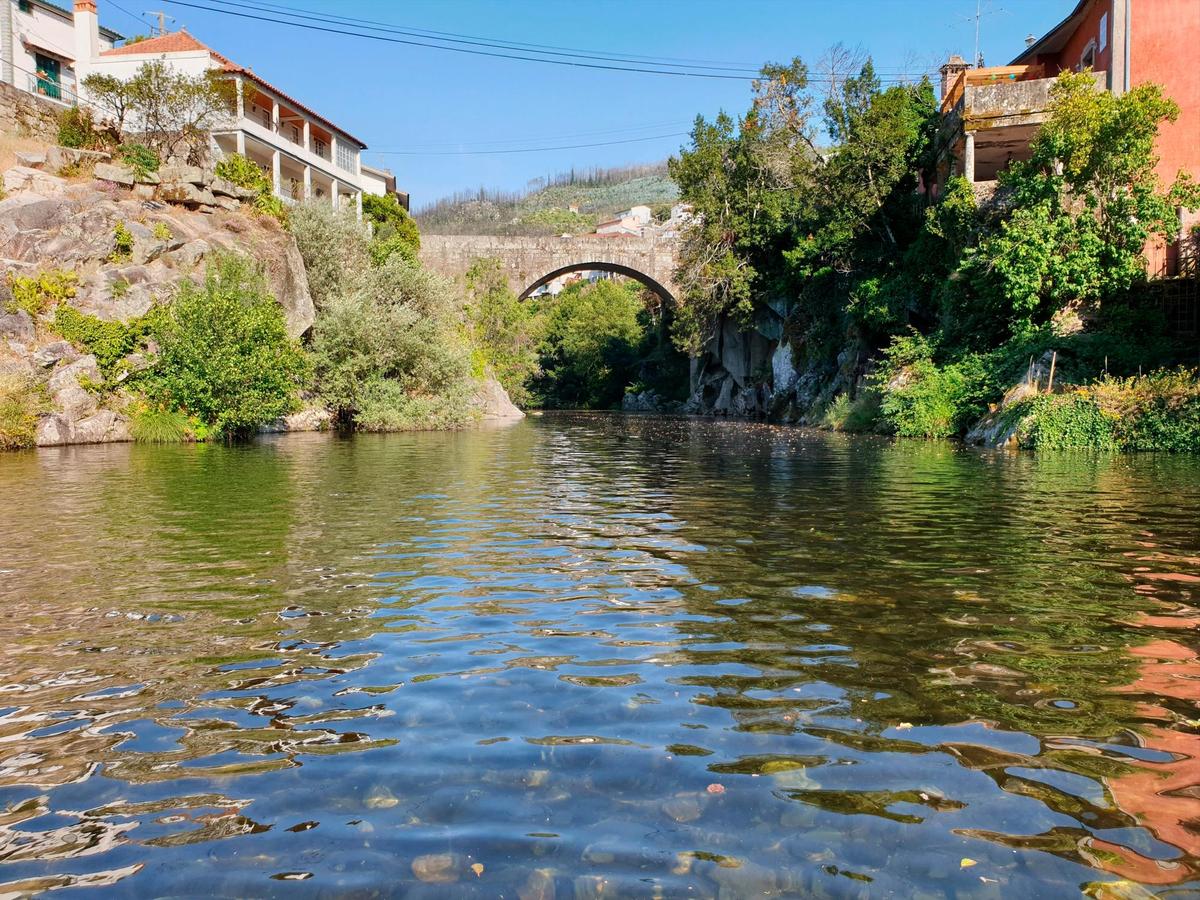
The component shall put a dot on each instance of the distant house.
(382, 182)
(37, 48)
(632, 221)
(991, 114)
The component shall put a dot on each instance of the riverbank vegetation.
(822, 207)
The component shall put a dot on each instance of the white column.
(333, 192)
(276, 173)
(358, 205)
(969, 157)
(333, 148)
(241, 142)
(275, 116)
(307, 137)
(307, 174)
(241, 99)
(86, 26)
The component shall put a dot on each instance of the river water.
(594, 656)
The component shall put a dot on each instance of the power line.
(657, 137)
(140, 20)
(415, 43)
(526, 139)
(495, 43)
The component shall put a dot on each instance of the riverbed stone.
(494, 404)
(437, 868)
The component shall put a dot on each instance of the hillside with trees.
(545, 207)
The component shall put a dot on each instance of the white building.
(307, 156)
(632, 221)
(37, 48)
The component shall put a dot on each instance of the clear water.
(594, 656)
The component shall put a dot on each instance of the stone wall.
(26, 114)
(529, 259)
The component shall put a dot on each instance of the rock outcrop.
(494, 404)
(49, 222)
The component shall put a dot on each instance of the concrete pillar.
(275, 116)
(241, 98)
(358, 205)
(86, 25)
(307, 137)
(333, 148)
(241, 142)
(333, 193)
(1118, 45)
(276, 173)
(308, 182)
(969, 157)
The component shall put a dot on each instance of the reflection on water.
(593, 656)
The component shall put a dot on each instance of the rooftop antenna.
(162, 19)
(981, 10)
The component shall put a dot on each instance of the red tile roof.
(183, 42)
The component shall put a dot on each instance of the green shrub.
(21, 401)
(245, 173)
(393, 224)
(77, 129)
(162, 231)
(860, 414)
(504, 330)
(109, 342)
(224, 353)
(387, 347)
(37, 293)
(119, 289)
(382, 249)
(155, 425)
(140, 158)
(122, 244)
(1066, 422)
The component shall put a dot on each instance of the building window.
(1088, 59)
(25, 6)
(265, 116)
(295, 134)
(320, 148)
(1103, 32)
(345, 156)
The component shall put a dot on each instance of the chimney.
(1030, 40)
(950, 71)
(87, 40)
(6, 44)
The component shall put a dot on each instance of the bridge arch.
(615, 268)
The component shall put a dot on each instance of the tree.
(504, 330)
(1083, 207)
(171, 112)
(395, 230)
(224, 354)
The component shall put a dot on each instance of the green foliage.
(162, 231)
(387, 349)
(122, 250)
(109, 342)
(151, 424)
(174, 112)
(140, 158)
(244, 172)
(224, 354)
(37, 293)
(77, 129)
(503, 329)
(559, 221)
(857, 415)
(591, 345)
(21, 401)
(1066, 422)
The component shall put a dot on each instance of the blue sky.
(425, 102)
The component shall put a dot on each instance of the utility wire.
(473, 40)
(140, 20)
(527, 139)
(414, 43)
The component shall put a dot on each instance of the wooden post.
(1050, 383)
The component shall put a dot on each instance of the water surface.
(594, 656)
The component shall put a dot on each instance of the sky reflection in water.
(598, 656)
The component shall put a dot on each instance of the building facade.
(991, 114)
(37, 48)
(306, 155)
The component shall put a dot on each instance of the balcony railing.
(51, 89)
(987, 76)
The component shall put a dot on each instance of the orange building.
(992, 113)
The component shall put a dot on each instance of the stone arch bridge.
(531, 262)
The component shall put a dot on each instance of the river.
(594, 656)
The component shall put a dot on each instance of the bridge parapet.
(528, 261)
